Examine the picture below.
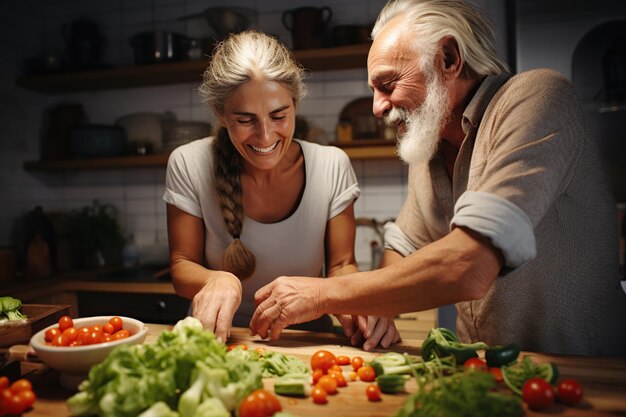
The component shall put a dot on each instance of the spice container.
(344, 131)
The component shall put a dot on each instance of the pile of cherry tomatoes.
(16, 397)
(328, 375)
(68, 335)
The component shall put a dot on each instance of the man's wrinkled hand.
(286, 301)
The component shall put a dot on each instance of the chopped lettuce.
(134, 378)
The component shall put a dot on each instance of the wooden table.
(603, 379)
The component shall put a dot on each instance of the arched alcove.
(599, 77)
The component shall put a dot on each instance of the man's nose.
(381, 105)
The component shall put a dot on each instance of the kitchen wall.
(32, 28)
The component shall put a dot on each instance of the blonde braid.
(236, 258)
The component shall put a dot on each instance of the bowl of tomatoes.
(73, 346)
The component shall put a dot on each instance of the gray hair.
(245, 56)
(432, 20)
(238, 59)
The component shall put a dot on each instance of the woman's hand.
(369, 330)
(216, 303)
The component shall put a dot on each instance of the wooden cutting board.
(39, 316)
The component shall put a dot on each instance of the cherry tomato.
(4, 382)
(322, 359)
(13, 404)
(352, 375)
(83, 337)
(28, 398)
(61, 340)
(238, 345)
(339, 377)
(538, 393)
(319, 395)
(120, 334)
(117, 323)
(51, 334)
(95, 328)
(373, 392)
(65, 322)
(476, 364)
(328, 383)
(497, 374)
(93, 338)
(569, 392)
(260, 403)
(317, 374)
(366, 374)
(356, 362)
(70, 333)
(343, 360)
(21, 385)
(108, 328)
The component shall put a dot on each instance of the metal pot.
(159, 46)
(226, 20)
(92, 140)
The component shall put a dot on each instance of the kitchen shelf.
(322, 59)
(90, 164)
(373, 150)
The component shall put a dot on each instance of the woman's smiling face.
(260, 117)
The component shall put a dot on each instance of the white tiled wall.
(137, 193)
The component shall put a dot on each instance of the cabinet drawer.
(149, 308)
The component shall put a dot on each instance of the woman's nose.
(264, 130)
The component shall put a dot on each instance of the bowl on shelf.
(74, 362)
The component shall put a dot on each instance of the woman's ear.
(451, 62)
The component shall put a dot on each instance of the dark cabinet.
(149, 308)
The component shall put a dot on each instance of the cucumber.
(293, 385)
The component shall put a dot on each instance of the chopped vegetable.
(392, 363)
(516, 375)
(10, 309)
(295, 385)
(187, 362)
(502, 355)
(391, 384)
(442, 342)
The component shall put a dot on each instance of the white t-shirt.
(294, 246)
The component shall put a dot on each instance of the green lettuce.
(133, 378)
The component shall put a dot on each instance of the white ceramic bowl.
(79, 359)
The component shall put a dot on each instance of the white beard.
(420, 139)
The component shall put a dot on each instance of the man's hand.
(216, 303)
(286, 301)
(371, 331)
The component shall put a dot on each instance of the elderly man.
(508, 213)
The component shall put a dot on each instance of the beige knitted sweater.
(527, 143)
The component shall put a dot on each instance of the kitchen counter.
(603, 379)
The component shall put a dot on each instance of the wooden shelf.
(118, 162)
(373, 150)
(369, 149)
(323, 59)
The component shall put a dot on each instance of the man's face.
(408, 97)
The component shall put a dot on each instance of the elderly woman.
(254, 203)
